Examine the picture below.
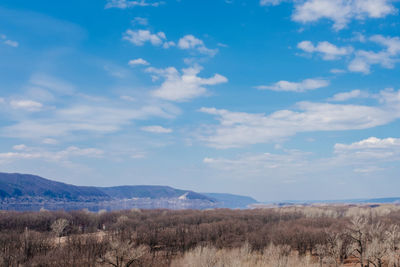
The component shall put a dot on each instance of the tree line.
(327, 236)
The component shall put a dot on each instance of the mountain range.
(31, 192)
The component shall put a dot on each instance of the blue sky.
(273, 99)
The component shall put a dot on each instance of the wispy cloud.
(349, 95)
(6, 41)
(26, 104)
(341, 12)
(22, 152)
(363, 157)
(185, 85)
(362, 60)
(156, 129)
(140, 37)
(370, 150)
(387, 58)
(237, 129)
(190, 42)
(138, 61)
(270, 2)
(327, 50)
(78, 115)
(52, 84)
(11, 43)
(303, 86)
(83, 118)
(123, 4)
(140, 21)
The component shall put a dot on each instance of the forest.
(320, 235)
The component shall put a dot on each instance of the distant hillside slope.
(383, 200)
(151, 191)
(26, 185)
(232, 201)
(23, 185)
(31, 192)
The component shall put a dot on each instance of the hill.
(150, 191)
(232, 201)
(31, 192)
(15, 185)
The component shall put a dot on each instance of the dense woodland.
(288, 236)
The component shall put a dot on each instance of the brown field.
(277, 237)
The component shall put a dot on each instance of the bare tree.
(58, 227)
(123, 254)
(376, 248)
(357, 231)
(375, 252)
(331, 250)
(393, 244)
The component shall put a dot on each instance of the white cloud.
(358, 37)
(349, 95)
(370, 143)
(138, 156)
(138, 61)
(140, 37)
(20, 147)
(52, 84)
(83, 119)
(370, 150)
(11, 43)
(38, 153)
(140, 21)
(387, 58)
(28, 105)
(188, 42)
(191, 42)
(183, 86)
(49, 141)
(8, 156)
(78, 114)
(76, 151)
(337, 71)
(156, 129)
(281, 168)
(8, 42)
(123, 4)
(364, 59)
(392, 44)
(327, 50)
(270, 2)
(341, 12)
(305, 85)
(128, 98)
(169, 44)
(368, 169)
(238, 129)
(363, 157)
(260, 163)
(116, 71)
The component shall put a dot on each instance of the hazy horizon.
(273, 99)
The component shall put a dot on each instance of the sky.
(274, 99)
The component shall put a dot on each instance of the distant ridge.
(17, 185)
(31, 192)
(232, 201)
(358, 201)
(150, 191)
